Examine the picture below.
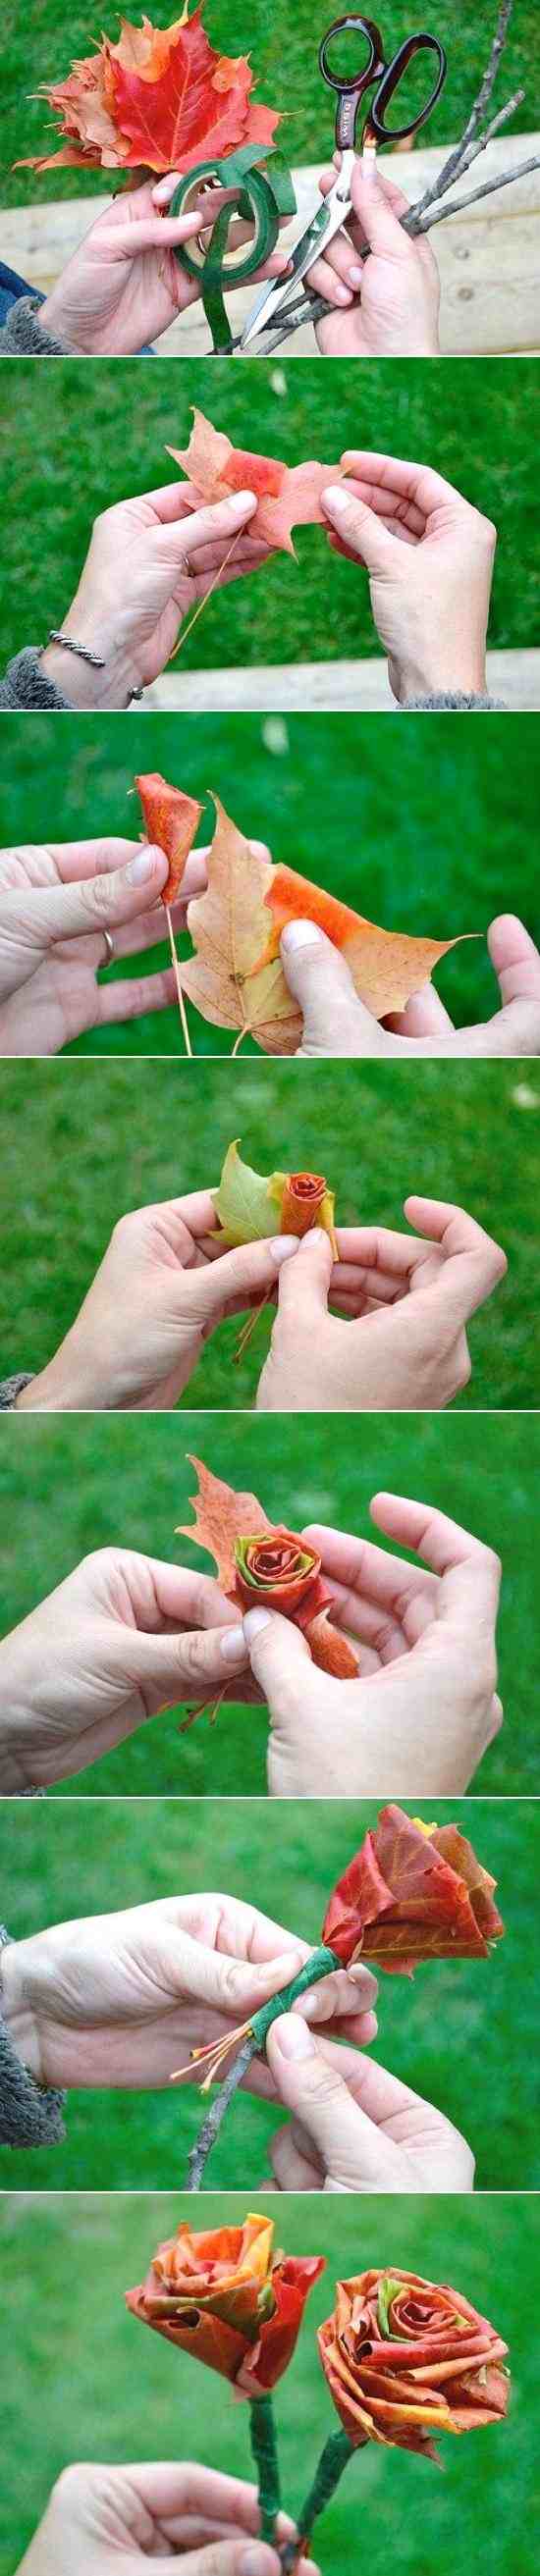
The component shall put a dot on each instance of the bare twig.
(454, 162)
(439, 214)
(411, 222)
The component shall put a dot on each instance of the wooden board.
(489, 258)
(309, 687)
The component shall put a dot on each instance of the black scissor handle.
(414, 45)
(372, 69)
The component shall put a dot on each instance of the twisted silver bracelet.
(56, 637)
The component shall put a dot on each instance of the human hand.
(165, 1269)
(403, 1345)
(429, 557)
(149, 561)
(385, 305)
(98, 2516)
(123, 1999)
(123, 286)
(121, 1638)
(353, 2126)
(56, 903)
(336, 1023)
(419, 1718)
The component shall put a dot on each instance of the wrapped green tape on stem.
(334, 2459)
(320, 1963)
(264, 2448)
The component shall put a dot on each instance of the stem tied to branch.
(333, 2460)
(321, 1963)
(264, 2448)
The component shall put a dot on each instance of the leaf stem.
(203, 603)
(180, 996)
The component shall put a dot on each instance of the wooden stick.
(203, 603)
(440, 214)
(180, 996)
(453, 165)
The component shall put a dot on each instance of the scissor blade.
(327, 221)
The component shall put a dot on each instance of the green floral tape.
(264, 2448)
(320, 1964)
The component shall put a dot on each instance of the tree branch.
(440, 214)
(455, 159)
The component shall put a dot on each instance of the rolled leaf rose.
(281, 1569)
(306, 1201)
(412, 1892)
(161, 99)
(171, 819)
(406, 2358)
(224, 2296)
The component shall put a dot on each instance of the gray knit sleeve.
(21, 335)
(25, 683)
(455, 699)
(30, 2113)
(11, 1387)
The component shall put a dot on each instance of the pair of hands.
(124, 1637)
(124, 286)
(398, 1341)
(58, 899)
(427, 552)
(122, 1999)
(98, 2517)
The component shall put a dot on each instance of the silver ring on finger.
(109, 948)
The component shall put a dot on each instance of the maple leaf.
(160, 99)
(289, 496)
(221, 1516)
(228, 924)
(257, 1559)
(387, 966)
(171, 819)
(246, 1203)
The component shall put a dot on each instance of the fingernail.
(300, 934)
(165, 189)
(233, 1646)
(356, 275)
(341, 291)
(146, 864)
(281, 1246)
(254, 1622)
(294, 2038)
(336, 498)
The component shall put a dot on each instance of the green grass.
(83, 2382)
(457, 2018)
(283, 46)
(66, 1487)
(73, 442)
(79, 1148)
(437, 844)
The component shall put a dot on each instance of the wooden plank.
(489, 258)
(307, 688)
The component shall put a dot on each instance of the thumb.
(359, 529)
(247, 1272)
(378, 212)
(303, 1288)
(335, 1021)
(348, 2144)
(78, 911)
(280, 1659)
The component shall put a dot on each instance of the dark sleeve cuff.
(464, 706)
(30, 2114)
(11, 1387)
(22, 336)
(26, 684)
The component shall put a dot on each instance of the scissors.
(352, 137)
